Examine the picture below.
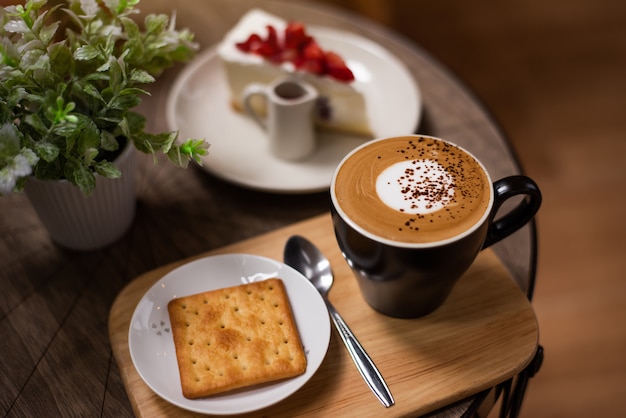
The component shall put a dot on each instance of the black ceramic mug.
(412, 213)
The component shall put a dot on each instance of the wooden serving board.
(484, 333)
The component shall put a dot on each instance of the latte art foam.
(417, 186)
(412, 189)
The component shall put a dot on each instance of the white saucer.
(198, 106)
(152, 347)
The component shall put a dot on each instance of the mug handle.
(247, 95)
(518, 216)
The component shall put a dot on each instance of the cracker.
(235, 337)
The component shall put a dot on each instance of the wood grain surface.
(54, 306)
(485, 333)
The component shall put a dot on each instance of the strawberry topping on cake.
(298, 48)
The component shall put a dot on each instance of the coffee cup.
(411, 214)
(285, 112)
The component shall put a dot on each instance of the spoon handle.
(363, 362)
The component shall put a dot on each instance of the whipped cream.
(255, 21)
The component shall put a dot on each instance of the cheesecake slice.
(263, 47)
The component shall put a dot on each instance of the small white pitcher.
(289, 104)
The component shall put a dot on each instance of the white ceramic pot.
(85, 223)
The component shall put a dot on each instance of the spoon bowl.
(306, 258)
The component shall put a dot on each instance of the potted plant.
(71, 72)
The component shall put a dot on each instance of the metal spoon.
(305, 257)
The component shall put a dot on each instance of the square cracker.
(235, 337)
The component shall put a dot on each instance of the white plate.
(199, 107)
(152, 346)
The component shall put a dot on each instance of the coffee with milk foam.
(412, 189)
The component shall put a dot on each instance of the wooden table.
(57, 357)
(484, 333)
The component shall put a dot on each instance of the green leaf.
(61, 62)
(141, 77)
(160, 142)
(108, 170)
(108, 141)
(133, 91)
(104, 68)
(136, 122)
(10, 53)
(47, 151)
(71, 139)
(156, 23)
(177, 158)
(115, 74)
(89, 7)
(170, 138)
(107, 93)
(110, 120)
(30, 156)
(81, 176)
(90, 155)
(75, 20)
(16, 95)
(47, 33)
(142, 143)
(98, 76)
(86, 53)
(124, 102)
(131, 27)
(88, 139)
(92, 91)
(65, 129)
(137, 56)
(34, 59)
(35, 121)
(9, 141)
(16, 26)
